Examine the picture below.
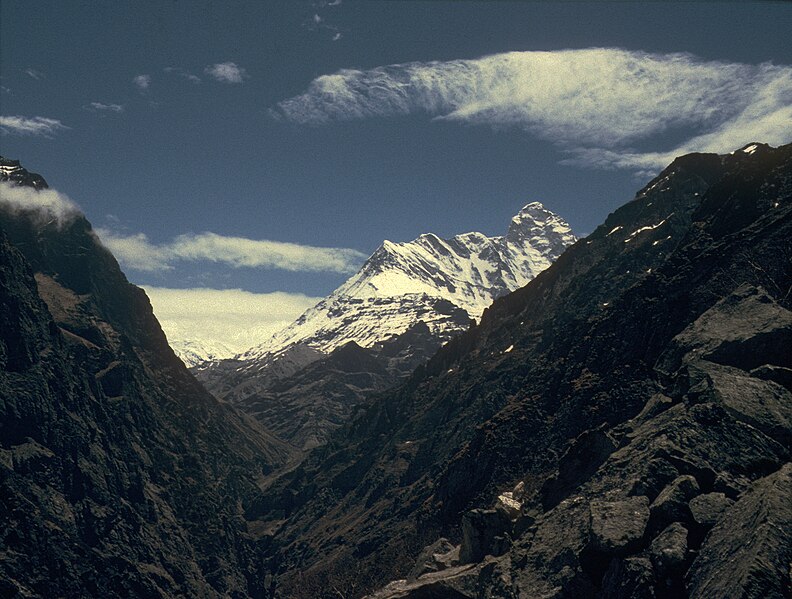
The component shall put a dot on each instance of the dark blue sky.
(182, 157)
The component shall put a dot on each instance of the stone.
(707, 509)
(631, 578)
(579, 462)
(764, 404)
(618, 526)
(484, 532)
(777, 374)
(669, 550)
(440, 555)
(745, 329)
(508, 504)
(460, 582)
(748, 552)
(672, 503)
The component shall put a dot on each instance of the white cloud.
(137, 252)
(224, 318)
(593, 103)
(143, 82)
(226, 72)
(46, 205)
(37, 125)
(106, 107)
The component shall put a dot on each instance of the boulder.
(748, 552)
(459, 582)
(631, 578)
(617, 527)
(484, 532)
(707, 509)
(672, 503)
(669, 550)
(580, 461)
(507, 503)
(777, 374)
(764, 404)
(440, 555)
(746, 329)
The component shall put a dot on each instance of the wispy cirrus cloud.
(224, 318)
(226, 72)
(102, 107)
(593, 103)
(137, 252)
(37, 125)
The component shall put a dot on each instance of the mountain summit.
(441, 282)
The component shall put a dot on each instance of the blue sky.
(269, 147)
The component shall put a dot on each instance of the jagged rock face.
(11, 171)
(120, 474)
(407, 300)
(627, 373)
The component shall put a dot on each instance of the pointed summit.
(537, 227)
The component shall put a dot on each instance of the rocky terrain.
(619, 427)
(119, 474)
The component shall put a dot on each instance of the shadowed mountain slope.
(120, 475)
(569, 393)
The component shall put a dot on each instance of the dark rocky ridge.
(594, 383)
(120, 475)
(13, 172)
(304, 404)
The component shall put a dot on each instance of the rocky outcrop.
(748, 552)
(120, 475)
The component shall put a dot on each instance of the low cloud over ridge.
(135, 251)
(231, 319)
(45, 205)
(593, 103)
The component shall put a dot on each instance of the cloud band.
(594, 103)
(137, 252)
(37, 125)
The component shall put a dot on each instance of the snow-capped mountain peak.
(441, 282)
